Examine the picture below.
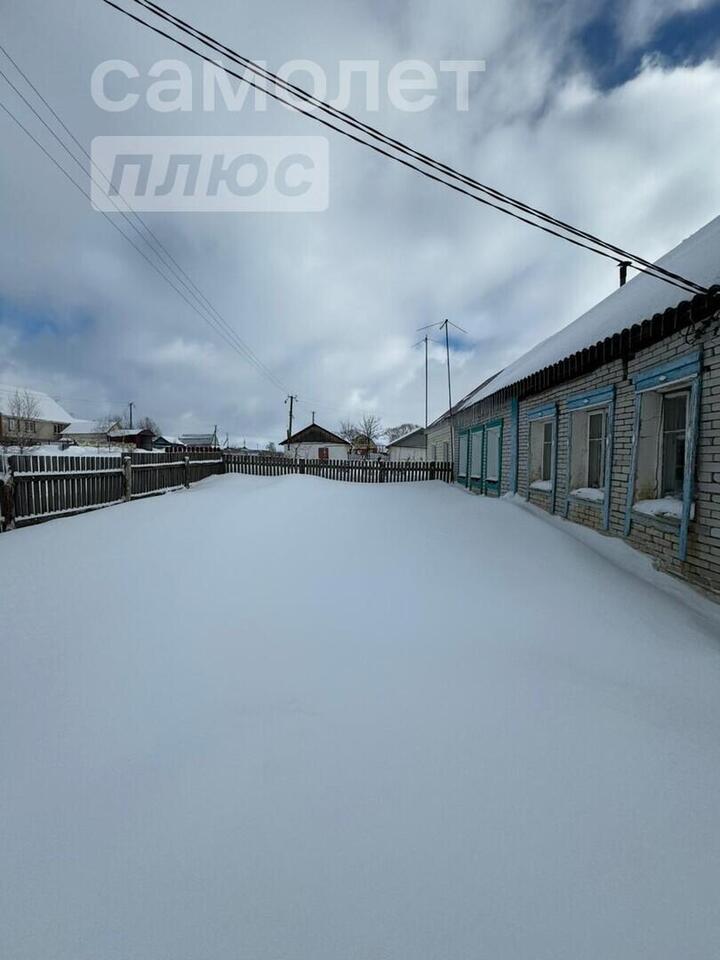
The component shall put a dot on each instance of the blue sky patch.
(686, 37)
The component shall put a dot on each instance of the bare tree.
(348, 430)
(24, 411)
(270, 447)
(394, 433)
(147, 423)
(370, 428)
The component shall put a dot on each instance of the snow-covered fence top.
(38, 488)
(354, 471)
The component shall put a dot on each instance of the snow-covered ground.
(294, 719)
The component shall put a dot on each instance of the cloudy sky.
(605, 113)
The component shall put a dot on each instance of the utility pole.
(291, 400)
(426, 393)
(446, 324)
(425, 341)
(131, 405)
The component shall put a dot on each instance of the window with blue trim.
(542, 453)
(665, 440)
(588, 451)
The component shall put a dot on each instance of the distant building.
(409, 447)
(88, 433)
(316, 443)
(200, 440)
(132, 437)
(30, 416)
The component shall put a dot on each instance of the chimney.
(623, 265)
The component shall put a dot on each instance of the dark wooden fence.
(40, 488)
(353, 471)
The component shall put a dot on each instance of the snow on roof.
(419, 432)
(48, 409)
(127, 432)
(80, 428)
(697, 258)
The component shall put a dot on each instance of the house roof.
(314, 433)
(459, 405)
(129, 432)
(48, 409)
(79, 428)
(415, 438)
(697, 258)
(198, 439)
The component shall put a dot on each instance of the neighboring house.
(132, 437)
(409, 447)
(209, 440)
(30, 416)
(363, 446)
(439, 444)
(88, 433)
(613, 422)
(316, 443)
(163, 443)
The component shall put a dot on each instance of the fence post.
(187, 472)
(127, 478)
(432, 470)
(7, 492)
(382, 472)
(302, 464)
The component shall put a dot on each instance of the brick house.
(614, 421)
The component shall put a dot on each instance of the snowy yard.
(291, 719)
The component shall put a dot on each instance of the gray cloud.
(331, 301)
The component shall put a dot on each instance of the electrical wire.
(158, 248)
(595, 245)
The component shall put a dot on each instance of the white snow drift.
(292, 719)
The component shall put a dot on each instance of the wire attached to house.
(512, 207)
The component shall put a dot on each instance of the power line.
(550, 224)
(216, 320)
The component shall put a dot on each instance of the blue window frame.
(679, 377)
(599, 443)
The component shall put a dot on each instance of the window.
(596, 449)
(11, 424)
(476, 455)
(492, 469)
(30, 426)
(463, 458)
(541, 459)
(58, 428)
(674, 426)
(547, 450)
(323, 453)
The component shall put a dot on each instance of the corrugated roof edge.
(622, 344)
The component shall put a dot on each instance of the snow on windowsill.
(591, 494)
(544, 486)
(667, 508)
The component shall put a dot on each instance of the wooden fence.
(40, 488)
(353, 471)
